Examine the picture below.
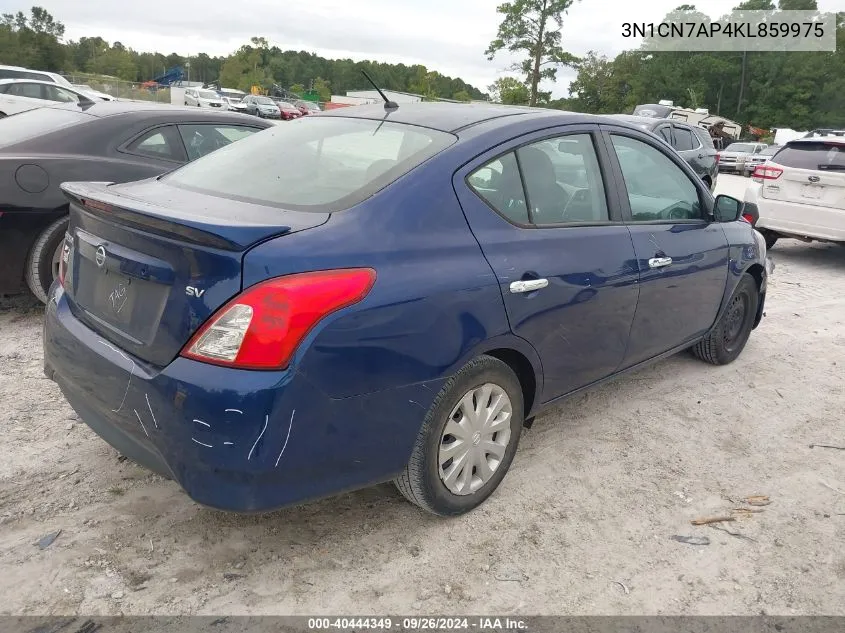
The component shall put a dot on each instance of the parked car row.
(353, 299)
(256, 105)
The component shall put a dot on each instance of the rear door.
(813, 174)
(553, 234)
(22, 96)
(681, 255)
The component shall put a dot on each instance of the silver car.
(735, 155)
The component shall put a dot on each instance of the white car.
(800, 191)
(234, 105)
(203, 98)
(86, 89)
(16, 72)
(20, 95)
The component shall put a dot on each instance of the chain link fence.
(124, 90)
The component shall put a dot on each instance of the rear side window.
(23, 74)
(812, 155)
(203, 138)
(31, 91)
(705, 138)
(24, 126)
(499, 184)
(314, 163)
(158, 143)
(683, 139)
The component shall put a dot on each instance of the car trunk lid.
(148, 263)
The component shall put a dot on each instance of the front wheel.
(467, 441)
(726, 341)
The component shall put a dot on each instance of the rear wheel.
(42, 265)
(467, 441)
(727, 340)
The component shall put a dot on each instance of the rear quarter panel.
(435, 304)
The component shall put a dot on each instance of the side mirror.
(727, 209)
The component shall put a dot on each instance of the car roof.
(637, 119)
(101, 109)
(450, 117)
(819, 139)
(30, 81)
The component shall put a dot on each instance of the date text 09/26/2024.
(418, 623)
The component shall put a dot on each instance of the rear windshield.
(811, 155)
(31, 123)
(314, 163)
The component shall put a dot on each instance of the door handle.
(659, 262)
(528, 285)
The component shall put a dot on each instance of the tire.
(2, 114)
(422, 483)
(726, 341)
(771, 239)
(41, 264)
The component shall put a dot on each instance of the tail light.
(748, 218)
(766, 172)
(63, 262)
(262, 327)
(718, 158)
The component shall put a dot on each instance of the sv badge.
(194, 292)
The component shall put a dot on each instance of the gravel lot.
(582, 524)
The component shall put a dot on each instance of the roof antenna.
(388, 104)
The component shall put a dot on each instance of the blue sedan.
(374, 294)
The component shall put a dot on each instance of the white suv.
(800, 191)
(203, 98)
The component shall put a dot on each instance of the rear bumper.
(235, 440)
(795, 218)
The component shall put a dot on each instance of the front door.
(563, 257)
(682, 255)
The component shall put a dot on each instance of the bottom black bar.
(432, 624)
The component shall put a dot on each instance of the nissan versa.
(382, 293)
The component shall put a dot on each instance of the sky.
(449, 36)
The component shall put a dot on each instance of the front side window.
(320, 163)
(658, 189)
(54, 93)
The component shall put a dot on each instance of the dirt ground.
(583, 523)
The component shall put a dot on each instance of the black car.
(693, 143)
(107, 141)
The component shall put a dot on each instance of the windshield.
(319, 163)
(739, 147)
(208, 94)
(264, 100)
(31, 123)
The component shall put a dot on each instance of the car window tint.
(320, 163)
(202, 139)
(156, 144)
(704, 138)
(657, 188)
(684, 140)
(563, 181)
(666, 133)
(54, 93)
(812, 155)
(25, 89)
(499, 184)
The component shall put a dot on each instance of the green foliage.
(35, 41)
(509, 91)
(799, 90)
(532, 28)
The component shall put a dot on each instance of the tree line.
(799, 90)
(36, 41)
